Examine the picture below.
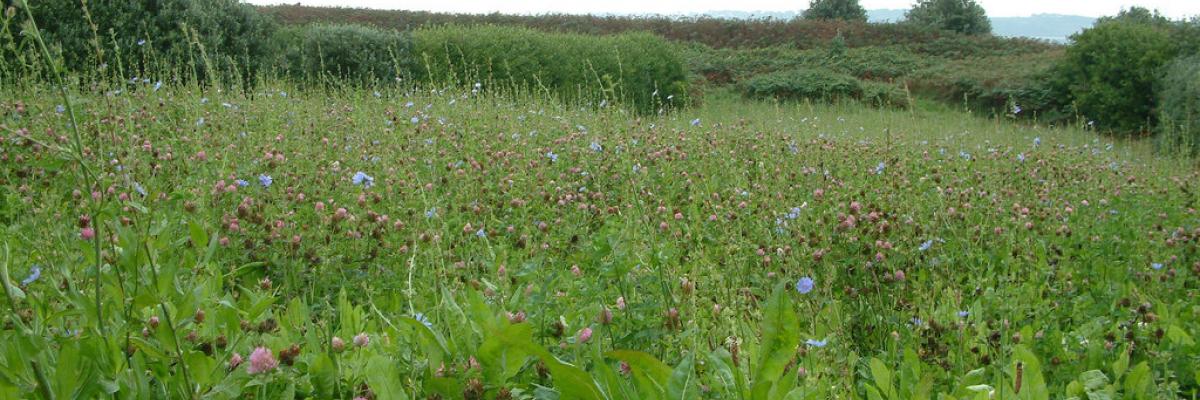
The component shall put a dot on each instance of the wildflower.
(1037, 141)
(423, 320)
(553, 157)
(361, 340)
(141, 42)
(235, 360)
(60, 109)
(35, 272)
(337, 343)
(157, 85)
(879, 168)
(87, 233)
(414, 120)
(430, 213)
(481, 233)
(1016, 109)
(1021, 157)
(816, 343)
(596, 147)
(265, 180)
(585, 335)
(1156, 266)
(963, 314)
(261, 360)
(926, 245)
(804, 285)
(361, 178)
(696, 122)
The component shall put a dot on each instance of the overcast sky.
(995, 8)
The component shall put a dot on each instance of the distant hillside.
(1052, 27)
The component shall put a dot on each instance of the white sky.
(995, 8)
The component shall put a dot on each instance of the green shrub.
(182, 38)
(1179, 118)
(962, 16)
(848, 10)
(355, 53)
(804, 84)
(1113, 70)
(641, 70)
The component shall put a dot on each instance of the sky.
(995, 8)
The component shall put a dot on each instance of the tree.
(1113, 71)
(848, 10)
(962, 16)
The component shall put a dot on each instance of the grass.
(511, 247)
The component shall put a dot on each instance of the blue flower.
(1016, 109)
(879, 168)
(816, 343)
(430, 213)
(964, 314)
(1156, 266)
(804, 285)
(481, 233)
(361, 178)
(60, 109)
(553, 157)
(696, 122)
(415, 120)
(157, 85)
(917, 322)
(926, 245)
(141, 42)
(596, 147)
(423, 320)
(1037, 141)
(1021, 157)
(265, 180)
(35, 272)
(242, 183)
(138, 188)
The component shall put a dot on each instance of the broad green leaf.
(682, 384)
(779, 340)
(644, 367)
(323, 374)
(384, 379)
(883, 378)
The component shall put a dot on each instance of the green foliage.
(641, 70)
(848, 10)
(821, 85)
(345, 52)
(804, 84)
(1179, 106)
(1113, 72)
(962, 16)
(186, 38)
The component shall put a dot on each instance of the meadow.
(463, 243)
(206, 205)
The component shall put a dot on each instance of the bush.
(1113, 70)
(962, 16)
(1179, 118)
(356, 53)
(804, 84)
(149, 37)
(848, 10)
(641, 70)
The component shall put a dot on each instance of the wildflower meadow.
(415, 240)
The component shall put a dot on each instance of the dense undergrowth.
(391, 243)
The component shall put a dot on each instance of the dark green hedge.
(640, 70)
(344, 52)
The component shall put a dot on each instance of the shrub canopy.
(642, 70)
